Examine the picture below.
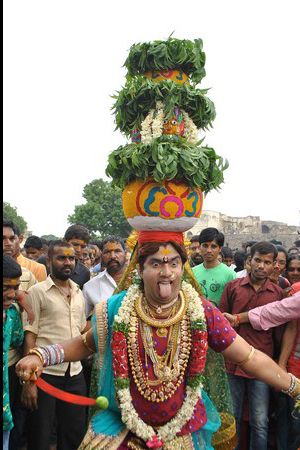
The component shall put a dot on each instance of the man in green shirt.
(211, 274)
(12, 333)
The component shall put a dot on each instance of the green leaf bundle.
(140, 94)
(170, 54)
(167, 158)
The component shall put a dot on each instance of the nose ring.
(161, 273)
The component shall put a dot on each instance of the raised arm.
(258, 364)
(270, 315)
(76, 349)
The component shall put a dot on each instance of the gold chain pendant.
(162, 332)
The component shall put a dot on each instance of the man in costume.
(151, 338)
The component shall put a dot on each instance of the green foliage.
(50, 237)
(11, 213)
(102, 213)
(167, 158)
(171, 54)
(140, 94)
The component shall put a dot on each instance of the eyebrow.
(161, 260)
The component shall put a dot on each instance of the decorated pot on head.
(164, 171)
(169, 205)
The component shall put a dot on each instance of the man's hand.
(21, 298)
(29, 396)
(232, 319)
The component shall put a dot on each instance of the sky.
(63, 60)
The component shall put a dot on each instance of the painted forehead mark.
(11, 281)
(68, 252)
(166, 251)
(111, 246)
(78, 242)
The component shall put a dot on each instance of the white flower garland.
(129, 415)
(151, 127)
(190, 129)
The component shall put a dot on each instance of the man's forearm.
(29, 342)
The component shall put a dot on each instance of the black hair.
(290, 259)
(33, 242)
(99, 244)
(57, 243)
(194, 238)
(12, 225)
(239, 260)
(263, 248)
(227, 252)
(280, 248)
(11, 269)
(293, 248)
(113, 239)
(44, 241)
(77, 231)
(249, 244)
(211, 234)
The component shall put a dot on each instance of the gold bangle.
(83, 336)
(251, 353)
(34, 351)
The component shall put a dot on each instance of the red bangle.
(238, 319)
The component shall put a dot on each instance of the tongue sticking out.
(165, 290)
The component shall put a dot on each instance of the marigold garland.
(196, 366)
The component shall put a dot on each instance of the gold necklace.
(161, 332)
(160, 308)
(157, 390)
(161, 323)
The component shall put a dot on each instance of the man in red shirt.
(244, 294)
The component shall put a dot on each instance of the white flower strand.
(158, 121)
(190, 129)
(152, 126)
(146, 131)
(129, 415)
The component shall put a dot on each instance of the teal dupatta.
(108, 422)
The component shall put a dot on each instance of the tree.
(102, 213)
(11, 213)
(49, 237)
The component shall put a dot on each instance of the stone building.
(239, 230)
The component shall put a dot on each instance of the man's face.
(195, 253)
(33, 253)
(10, 289)
(162, 275)
(11, 242)
(79, 245)
(210, 251)
(113, 257)
(228, 260)
(86, 260)
(262, 265)
(62, 263)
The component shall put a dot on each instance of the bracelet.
(238, 318)
(83, 336)
(251, 353)
(294, 389)
(34, 351)
(51, 354)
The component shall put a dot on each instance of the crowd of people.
(50, 293)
